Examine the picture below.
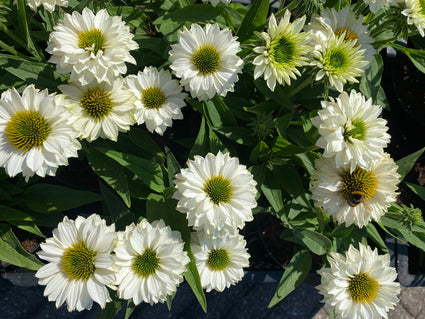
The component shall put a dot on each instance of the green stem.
(302, 85)
(392, 235)
(289, 7)
(51, 19)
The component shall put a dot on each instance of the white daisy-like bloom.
(80, 264)
(215, 193)
(338, 60)
(356, 197)
(35, 136)
(220, 259)
(91, 46)
(360, 284)
(216, 2)
(351, 131)
(99, 109)
(49, 5)
(375, 5)
(150, 261)
(205, 60)
(284, 52)
(415, 13)
(342, 22)
(159, 99)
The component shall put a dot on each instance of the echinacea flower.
(35, 136)
(360, 284)
(91, 46)
(159, 99)
(415, 13)
(284, 52)
(376, 5)
(343, 22)
(215, 193)
(205, 60)
(355, 197)
(80, 264)
(351, 131)
(49, 5)
(150, 262)
(220, 259)
(99, 109)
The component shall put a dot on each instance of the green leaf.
(240, 135)
(28, 226)
(110, 171)
(282, 123)
(416, 56)
(295, 273)
(316, 242)
(192, 13)
(130, 308)
(373, 234)
(406, 163)
(254, 20)
(172, 165)
(417, 189)
(370, 82)
(8, 214)
(142, 139)
(148, 171)
(12, 252)
(112, 308)
(45, 198)
(218, 113)
(200, 147)
(260, 152)
(282, 147)
(290, 180)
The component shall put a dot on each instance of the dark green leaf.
(370, 82)
(172, 165)
(8, 214)
(406, 163)
(373, 234)
(282, 147)
(201, 145)
(254, 20)
(416, 56)
(316, 242)
(417, 189)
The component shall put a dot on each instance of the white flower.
(49, 5)
(375, 5)
(351, 131)
(338, 60)
(220, 259)
(91, 46)
(216, 2)
(360, 284)
(343, 22)
(415, 13)
(215, 193)
(150, 261)
(355, 197)
(80, 263)
(35, 136)
(100, 109)
(284, 52)
(205, 59)
(159, 98)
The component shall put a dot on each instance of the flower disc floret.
(146, 264)
(206, 61)
(360, 284)
(284, 51)
(78, 262)
(35, 135)
(91, 46)
(415, 13)
(97, 102)
(215, 193)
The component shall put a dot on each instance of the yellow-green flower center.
(219, 189)
(356, 130)
(360, 185)
(146, 264)
(335, 60)
(92, 39)
(218, 259)
(27, 129)
(78, 262)
(363, 289)
(206, 60)
(348, 36)
(97, 102)
(282, 50)
(422, 7)
(153, 98)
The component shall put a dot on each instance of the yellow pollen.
(93, 40)
(153, 98)
(363, 289)
(78, 262)
(206, 60)
(97, 102)
(348, 36)
(359, 182)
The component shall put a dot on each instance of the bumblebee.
(356, 197)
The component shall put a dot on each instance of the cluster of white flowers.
(217, 194)
(85, 257)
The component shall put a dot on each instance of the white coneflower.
(284, 52)
(80, 263)
(100, 109)
(205, 60)
(338, 60)
(49, 5)
(35, 136)
(215, 193)
(351, 130)
(150, 261)
(91, 46)
(159, 99)
(360, 284)
(343, 22)
(375, 5)
(358, 196)
(415, 13)
(220, 259)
